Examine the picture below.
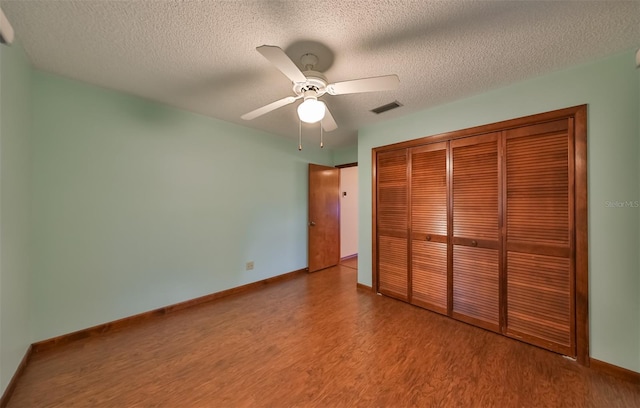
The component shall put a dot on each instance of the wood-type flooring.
(350, 262)
(312, 341)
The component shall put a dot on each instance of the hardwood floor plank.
(350, 261)
(312, 341)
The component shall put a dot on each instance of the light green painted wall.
(610, 87)
(138, 205)
(15, 336)
(345, 155)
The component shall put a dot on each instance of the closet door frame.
(580, 210)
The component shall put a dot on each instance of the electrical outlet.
(249, 266)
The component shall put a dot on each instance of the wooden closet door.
(539, 235)
(429, 227)
(392, 223)
(476, 230)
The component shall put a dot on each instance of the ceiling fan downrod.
(309, 61)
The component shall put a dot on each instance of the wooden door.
(540, 235)
(324, 217)
(476, 230)
(392, 223)
(429, 227)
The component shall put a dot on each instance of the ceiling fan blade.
(381, 83)
(270, 107)
(277, 57)
(328, 122)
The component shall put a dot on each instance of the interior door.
(429, 227)
(324, 217)
(539, 243)
(392, 227)
(476, 230)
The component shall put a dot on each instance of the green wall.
(345, 155)
(138, 205)
(15, 336)
(610, 87)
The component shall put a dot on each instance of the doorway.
(349, 212)
(333, 216)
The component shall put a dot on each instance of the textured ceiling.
(200, 55)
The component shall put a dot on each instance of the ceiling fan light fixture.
(311, 85)
(311, 110)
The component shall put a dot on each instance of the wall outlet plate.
(249, 266)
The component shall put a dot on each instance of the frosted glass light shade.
(311, 110)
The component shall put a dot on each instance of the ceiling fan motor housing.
(315, 82)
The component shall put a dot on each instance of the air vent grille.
(387, 107)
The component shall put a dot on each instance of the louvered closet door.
(429, 227)
(476, 233)
(392, 223)
(539, 241)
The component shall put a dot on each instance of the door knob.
(311, 223)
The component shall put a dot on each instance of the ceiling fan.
(311, 85)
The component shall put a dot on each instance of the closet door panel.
(392, 191)
(392, 267)
(429, 275)
(475, 187)
(539, 235)
(392, 223)
(539, 299)
(429, 189)
(538, 185)
(429, 227)
(476, 230)
(476, 286)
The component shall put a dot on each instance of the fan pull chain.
(299, 135)
(321, 142)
